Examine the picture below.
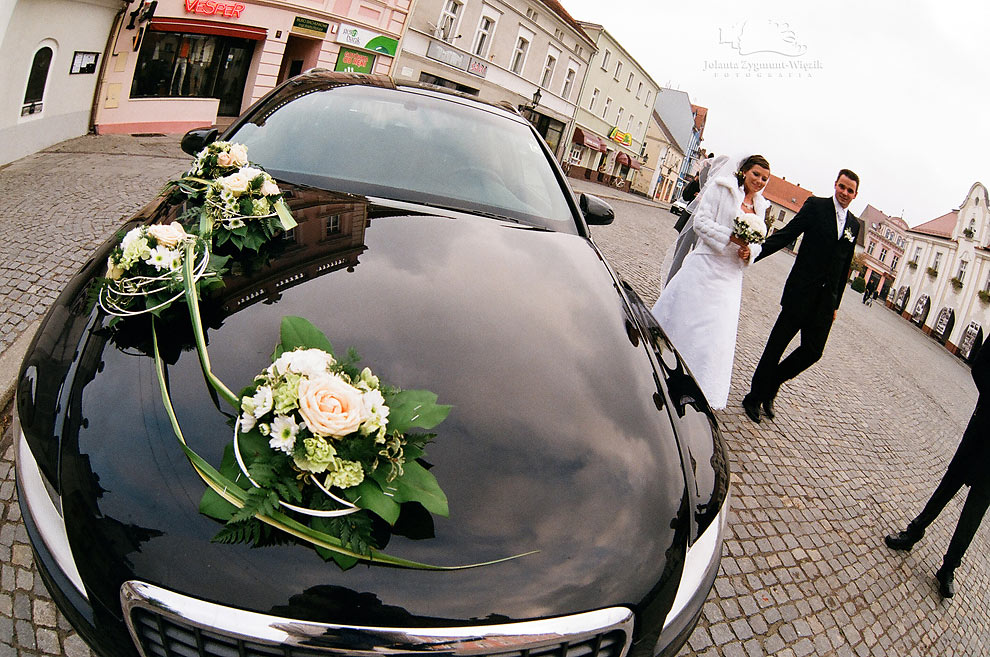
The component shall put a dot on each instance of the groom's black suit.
(811, 294)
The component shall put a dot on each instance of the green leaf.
(214, 506)
(417, 484)
(368, 495)
(414, 408)
(300, 332)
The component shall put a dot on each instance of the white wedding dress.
(699, 311)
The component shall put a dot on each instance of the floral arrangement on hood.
(145, 270)
(328, 441)
(218, 159)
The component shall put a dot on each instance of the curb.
(10, 362)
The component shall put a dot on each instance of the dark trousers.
(969, 520)
(771, 372)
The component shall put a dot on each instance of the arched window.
(37, 80)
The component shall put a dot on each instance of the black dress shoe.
(752, 408)
(946, 582)
(904, 540)
(768, 409)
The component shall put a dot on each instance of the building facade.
(886, 238)
(944, 287)
(609, 138)
(786, 199)
(53, 51)
(179, 64)
(662, 150)
(530, 53)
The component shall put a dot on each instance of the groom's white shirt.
(840, 217)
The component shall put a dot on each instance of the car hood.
(555, 444)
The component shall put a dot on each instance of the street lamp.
(537, 95)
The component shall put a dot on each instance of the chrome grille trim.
(608, 632)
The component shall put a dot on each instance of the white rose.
(251, 172)
(168, 234)
(269, 188)
(224, 159)
(236, 183)
(238, 155)
(131, 238)
(309, 362)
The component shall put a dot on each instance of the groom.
(812, 292)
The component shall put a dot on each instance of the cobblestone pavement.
(859, 442)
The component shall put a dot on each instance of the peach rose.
(238, 155)
(224, 159)
(168, 235)
(330, 406)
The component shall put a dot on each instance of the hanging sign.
(366, 39)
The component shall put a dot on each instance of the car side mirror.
(199, 138)
(596, 211)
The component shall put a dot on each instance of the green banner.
(354, 61)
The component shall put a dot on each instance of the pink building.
(173, 65)
(886, 239)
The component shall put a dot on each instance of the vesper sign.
(214, 8)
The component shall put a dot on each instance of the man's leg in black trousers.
(945, 491)
(784, 330)
(808, 353)
(969, 521)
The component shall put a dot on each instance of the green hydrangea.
(286, 394)
(347, 474)
(318, 455)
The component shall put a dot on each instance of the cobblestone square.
(859, 442)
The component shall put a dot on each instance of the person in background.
(970, 466)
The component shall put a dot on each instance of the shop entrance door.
(235, 58)
(300, 54)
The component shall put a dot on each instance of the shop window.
(577, 152)
(34, 94)
(173, 64)
(449, 84)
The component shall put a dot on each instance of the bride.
(699, 308)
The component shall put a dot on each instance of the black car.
(437, 237)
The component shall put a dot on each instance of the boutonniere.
(848, 235)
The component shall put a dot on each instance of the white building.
(530, 53)
(613, 114)
(52, 53)
(944, 287)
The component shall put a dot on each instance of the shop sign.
(214, 8)
(448, 56)
(478, 67)
(366, 39)
(309, 27)
(620, 137)
(354, 61)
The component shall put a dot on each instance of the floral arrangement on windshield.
(232, 200)
(326, 440)
(749, 228)
(145, 270)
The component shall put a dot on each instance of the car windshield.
(410, 146)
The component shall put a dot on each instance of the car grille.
(165, 624)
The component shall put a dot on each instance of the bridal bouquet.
(749, 228)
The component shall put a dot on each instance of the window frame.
(483, 38)
(452, 24)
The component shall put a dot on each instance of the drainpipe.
(107, 51)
